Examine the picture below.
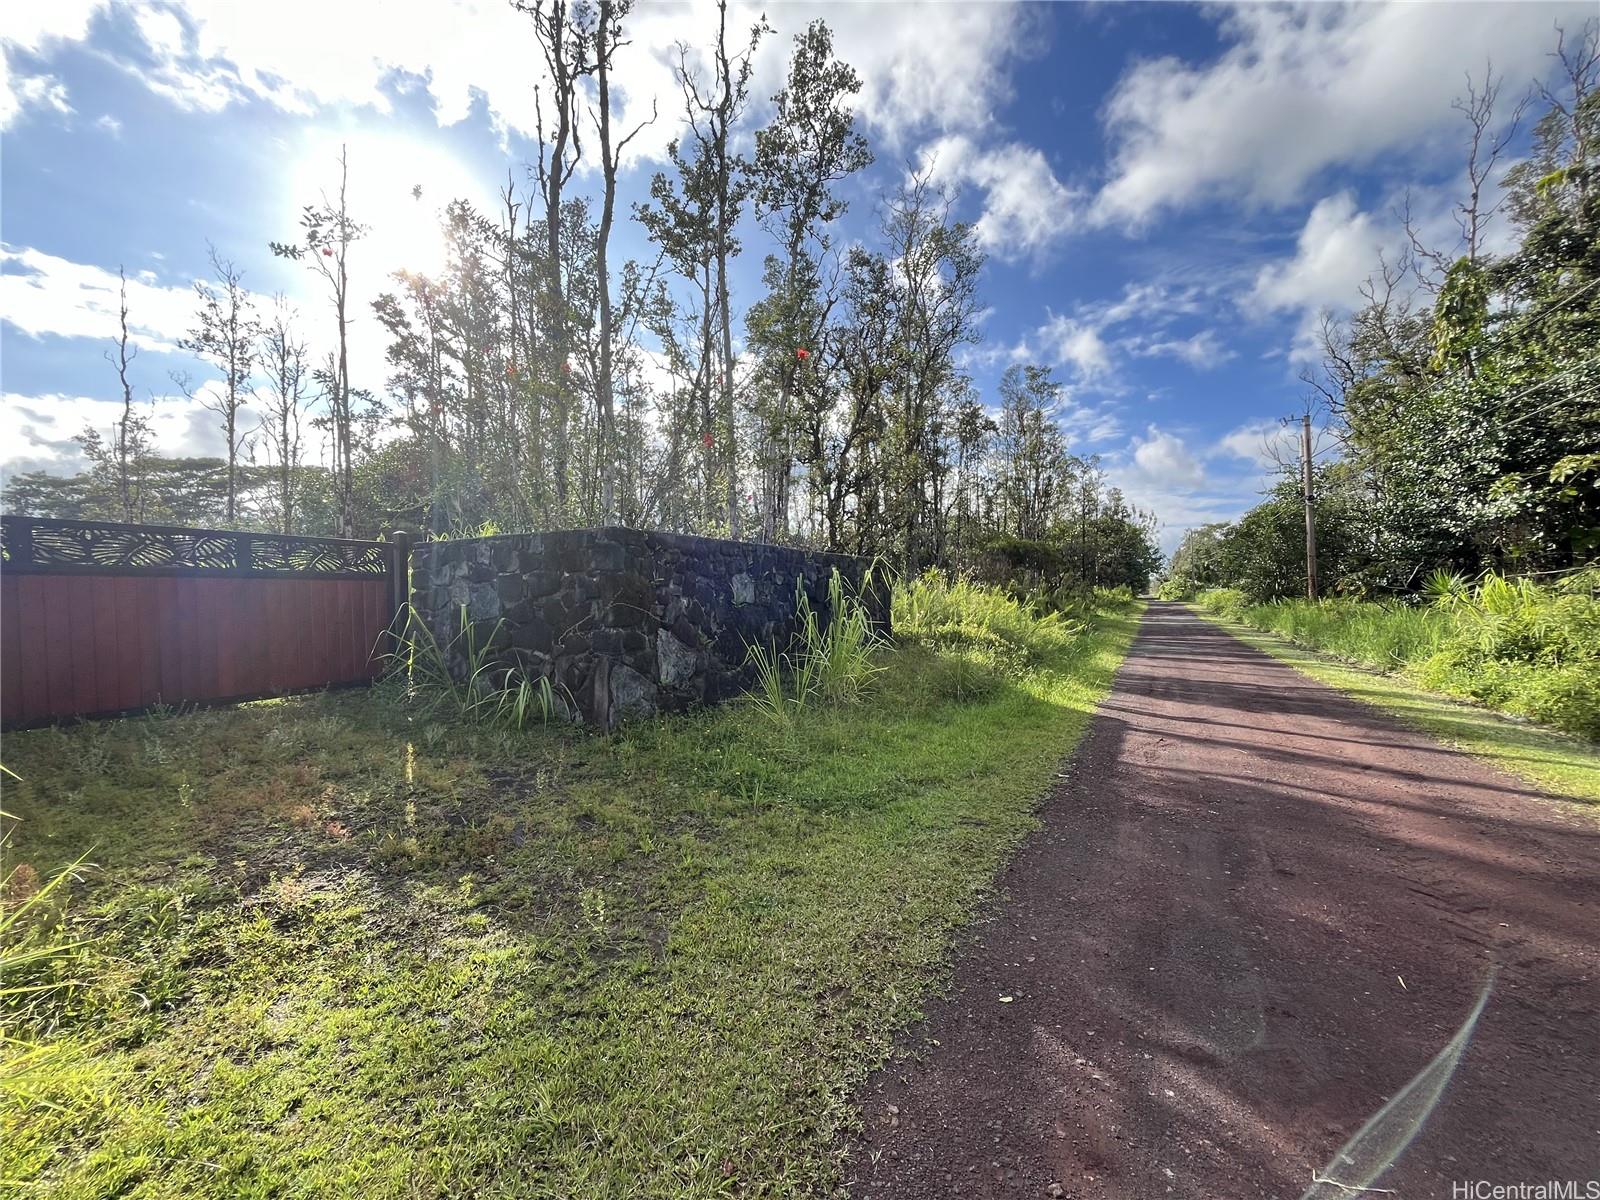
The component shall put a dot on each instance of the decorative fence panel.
(99, 617)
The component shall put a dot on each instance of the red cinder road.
(1205, 945)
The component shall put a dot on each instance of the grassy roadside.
(1565, 765)
(336, 950)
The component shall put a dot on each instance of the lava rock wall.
(626, 622)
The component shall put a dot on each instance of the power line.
(1553, 404)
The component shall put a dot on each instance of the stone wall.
(625, 622)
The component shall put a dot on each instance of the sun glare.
(398, 188)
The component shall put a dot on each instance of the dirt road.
(1256, 909)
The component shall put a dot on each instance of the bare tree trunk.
(722, 118)
(124, 357)
(562, 45)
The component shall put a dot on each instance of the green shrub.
(481, 690)
(1514, 644)
(1177, 587)
(963, 614)
(1230, 603)
(830, 661)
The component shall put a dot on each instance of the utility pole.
(1311, 525)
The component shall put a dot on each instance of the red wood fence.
(98, 618)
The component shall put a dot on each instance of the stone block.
(483, 602)
(676, 662)
(631, 695)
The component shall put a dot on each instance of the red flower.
(511, 371)
(327, 252)
(709, 441)
(802, 354)
(567, 367)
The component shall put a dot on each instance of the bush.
(963, 614)
(1177, 587)
(1230, 603)
(1513, 644)
(831, 661)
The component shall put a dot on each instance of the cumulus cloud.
(1337, 249)
(1302, 88)
(39, 432)
(1070, 342)
(1159, 470)
(1265, 444)
(21, 93)
(924, 67)
(1162, 459)
(1026, 209)
(41, 294)
(32, 30)
(1090, 340)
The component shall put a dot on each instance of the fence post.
(399, 582)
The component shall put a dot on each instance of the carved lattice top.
(30, 544)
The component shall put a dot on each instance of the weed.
(831, 661)
(466, 677)
(1510, 643)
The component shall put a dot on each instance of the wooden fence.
(99, 617)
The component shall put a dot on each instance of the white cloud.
(1026, 209)
(1162, 459)
(1085, 339)
(1157, 471)
(38, 431)
(34, 29)
(1203, 351)
(20, 93)
(1338, 248)
(41, 294)
(1073, 343)
(1088, 424)
(937, 67)
(1266, 444)
(1305, 87)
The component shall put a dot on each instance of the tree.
(607, 38)
(679, 219)
(935, 267)
(224, 337)
(1198, 557)
(286, 366)
(327, 232)
(713, 110)
(1034, 471)
(130, 438)
(1467, 420)
(1263, 553)
(564, 38)
(810, 146)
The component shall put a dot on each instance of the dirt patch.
(1255, 910)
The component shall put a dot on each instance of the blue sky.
(1169, 194)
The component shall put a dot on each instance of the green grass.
(1564, 765)
(1512, 644)
(337, 948)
